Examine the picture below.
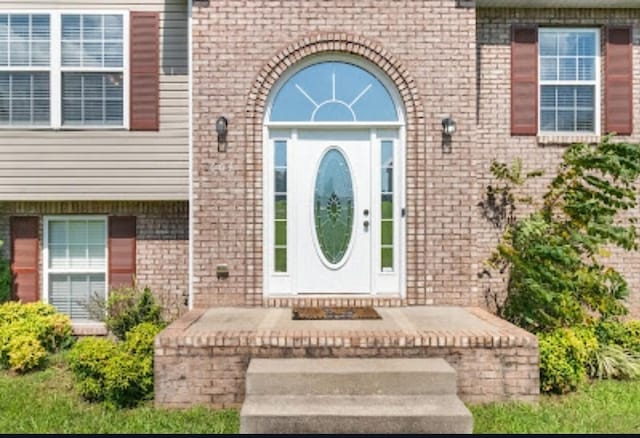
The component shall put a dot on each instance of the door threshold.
(348, 300)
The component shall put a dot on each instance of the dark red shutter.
(25, 250)
(145, 71)
(524, 80)
(122, 250)
(619, 80)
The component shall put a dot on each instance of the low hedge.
(624, 334)
(608, 349)
(564, 357)
(29, 332)
(118, 373)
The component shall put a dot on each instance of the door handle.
(366, 225)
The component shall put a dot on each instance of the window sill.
(88, 328)
(567, 139)
(62, 129)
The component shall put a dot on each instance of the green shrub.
(632, 342)
(139, 341)
(5, 277)
(52, 329)
(553, 258)
(119, 373)
(88, 360)
(625, 335)
(25, 353)
(15, 311)
(28, 332)
(129, 306)
(7, 333)
(564, 358)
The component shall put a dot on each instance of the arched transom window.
(333, 91)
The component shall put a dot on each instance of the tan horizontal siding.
(42, 164)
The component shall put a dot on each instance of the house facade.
(94, 134)
(234, 153)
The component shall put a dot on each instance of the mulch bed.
(333, 313)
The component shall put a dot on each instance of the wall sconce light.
(448, 126)
(221, 129)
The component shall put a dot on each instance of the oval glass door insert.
(333, 206)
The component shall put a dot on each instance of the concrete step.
(355, 414)
(350, 377)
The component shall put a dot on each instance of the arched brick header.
(324, 43)
(327, 43)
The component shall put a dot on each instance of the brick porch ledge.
(181, 333)
(202, 358)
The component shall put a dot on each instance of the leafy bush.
(128, 307)
(553, 257)
(623, 334)
(119, 373)
(129, 375)
(565, 355)
(25, 353)
(28, 332)
(16, 311)
(88, 360)
(5, 277)
(632, 341)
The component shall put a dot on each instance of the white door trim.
(284, 284)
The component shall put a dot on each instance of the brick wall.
(241, 49)
(208, 367)
(494, 140)
(215, 376)
(162, 241)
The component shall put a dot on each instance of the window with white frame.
(75, 263)
(63, 70)
(92, 69)
(569, 61)
(25, 64)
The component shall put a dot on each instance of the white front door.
(331, 186)
(334, 220)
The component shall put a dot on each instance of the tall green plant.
(554, 256)
(5, 277)
(129, 306)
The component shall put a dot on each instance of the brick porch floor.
(202, 358)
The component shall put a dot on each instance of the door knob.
(366, 225)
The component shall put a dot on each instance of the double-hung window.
(63, 70)
(569, 62)
(25, 70)
(92, 70)
(75, 264)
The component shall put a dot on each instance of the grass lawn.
(602, 407)
(44, 402)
